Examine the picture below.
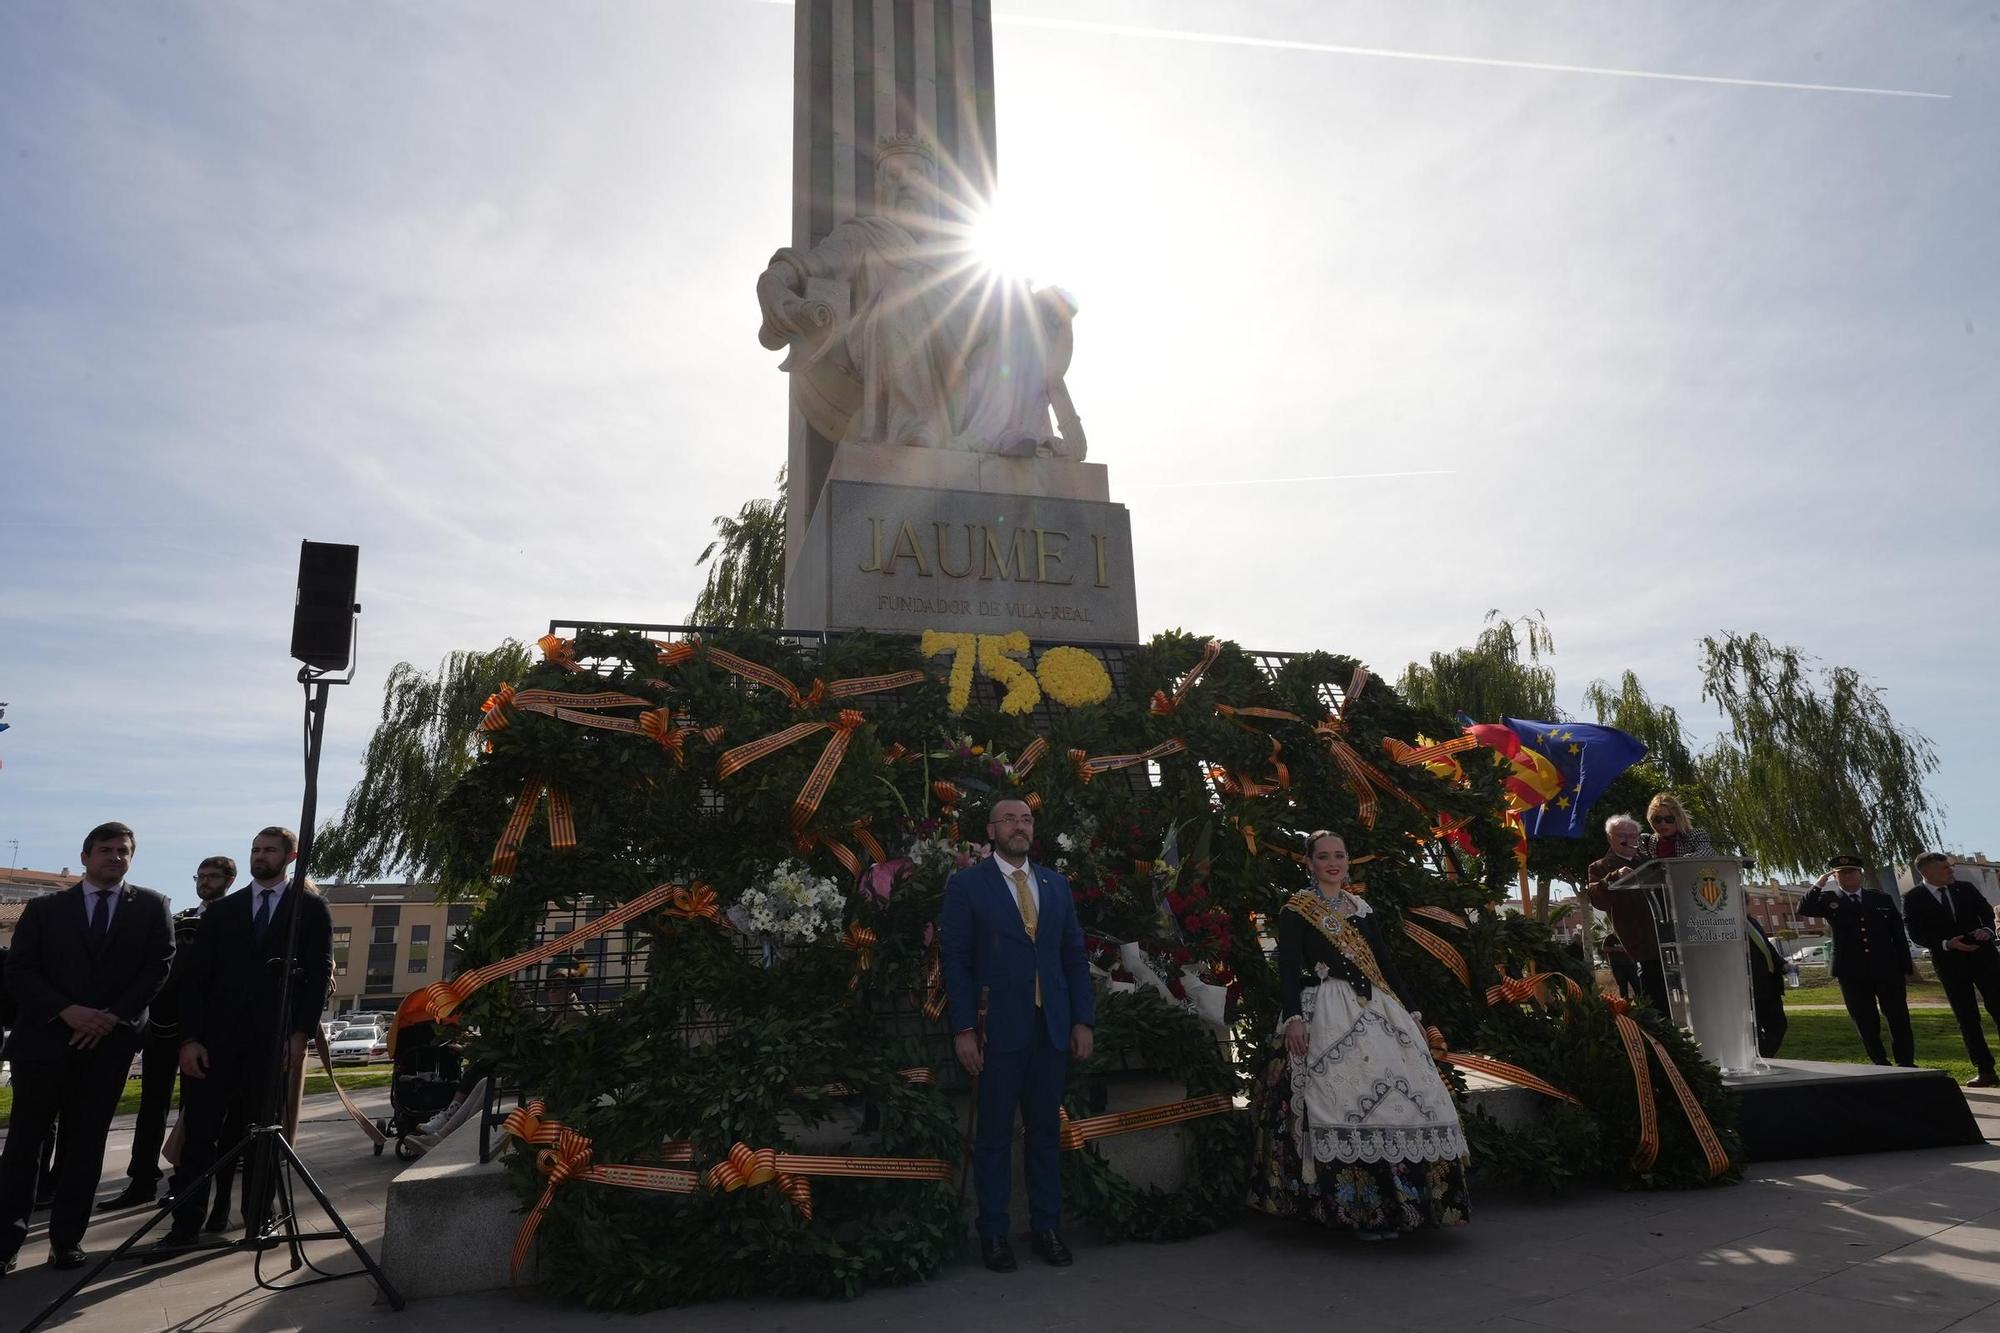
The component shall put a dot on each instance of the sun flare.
(1009, 244)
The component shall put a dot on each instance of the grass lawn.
(1822, 989)
(351, 1079)
(1831, 1036)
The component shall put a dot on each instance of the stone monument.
(936, 462)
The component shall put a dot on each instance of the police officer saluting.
(1871, 957)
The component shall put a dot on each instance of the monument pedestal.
(917, 539)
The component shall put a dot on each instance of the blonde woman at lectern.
(1671, 832)
(1355, 1129)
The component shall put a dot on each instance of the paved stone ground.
(1902, 1242)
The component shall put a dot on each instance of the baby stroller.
(424, 1073)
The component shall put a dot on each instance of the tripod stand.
(266, 1146)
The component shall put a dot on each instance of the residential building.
(1975, 870)
(17, 886)
(1775, 907)
(388, 940)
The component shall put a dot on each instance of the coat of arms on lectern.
(1711, 893)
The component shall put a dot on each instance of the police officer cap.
(1844, 863)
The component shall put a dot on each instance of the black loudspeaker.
(323, 619)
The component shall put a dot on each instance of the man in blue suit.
(1009, 930)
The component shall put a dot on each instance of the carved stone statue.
(898, 337)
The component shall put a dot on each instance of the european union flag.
(1588, 757)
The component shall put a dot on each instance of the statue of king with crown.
(899, 337)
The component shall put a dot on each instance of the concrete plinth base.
(916, 539)
(450, 1223)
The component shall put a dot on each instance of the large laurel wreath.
(715, 1047)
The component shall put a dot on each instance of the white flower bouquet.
(793, 907)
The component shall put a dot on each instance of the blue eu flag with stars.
(1588, 757)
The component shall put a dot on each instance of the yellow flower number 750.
(1071, 676)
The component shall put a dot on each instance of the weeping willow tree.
(394, 820)
(1500, 675)
(1812, 763)
(1671, 763)
(1656, 725)
(746, 567)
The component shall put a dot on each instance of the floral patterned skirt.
(1372, 1173)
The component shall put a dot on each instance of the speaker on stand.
(323, 614)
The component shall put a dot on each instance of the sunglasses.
(1663, 819)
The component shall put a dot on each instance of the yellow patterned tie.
(1024, 898)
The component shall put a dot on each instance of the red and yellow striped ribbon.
(869, 843)
(1253, 844)
(1073, 1134)
(1534, 986)
(1281, 774)
(934, 994)
(566, 1155)
(658, 725)
(495, 708)
(1438, 949)
(562, 824)
(673, 654)
(1411, 755)
(820, 691)
(1636, 1040)
(1704, 1132)
(916, 1074)
(1363, 778)
(440, 999)
(560, 652)
(860, 941)
(745, 1166)
(1493, 1069)
(1033, 754)
(697, 902)
(1089, 768)
(354, 1113)
(807, 839)
(1164, 706)
(1443, 914)
(843, 728)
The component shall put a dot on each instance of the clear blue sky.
(470, 285)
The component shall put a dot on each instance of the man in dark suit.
(1871, 957)
(1954, 921)
(1767, 990)
(160, 1053)
(1009, 929)
(85, 965)
(234, 1039)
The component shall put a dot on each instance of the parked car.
(360, 1044)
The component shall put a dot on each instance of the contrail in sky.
(1382, 53)
(1328, 48)
(1282, 481)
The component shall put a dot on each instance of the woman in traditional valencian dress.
(1355, 1130)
